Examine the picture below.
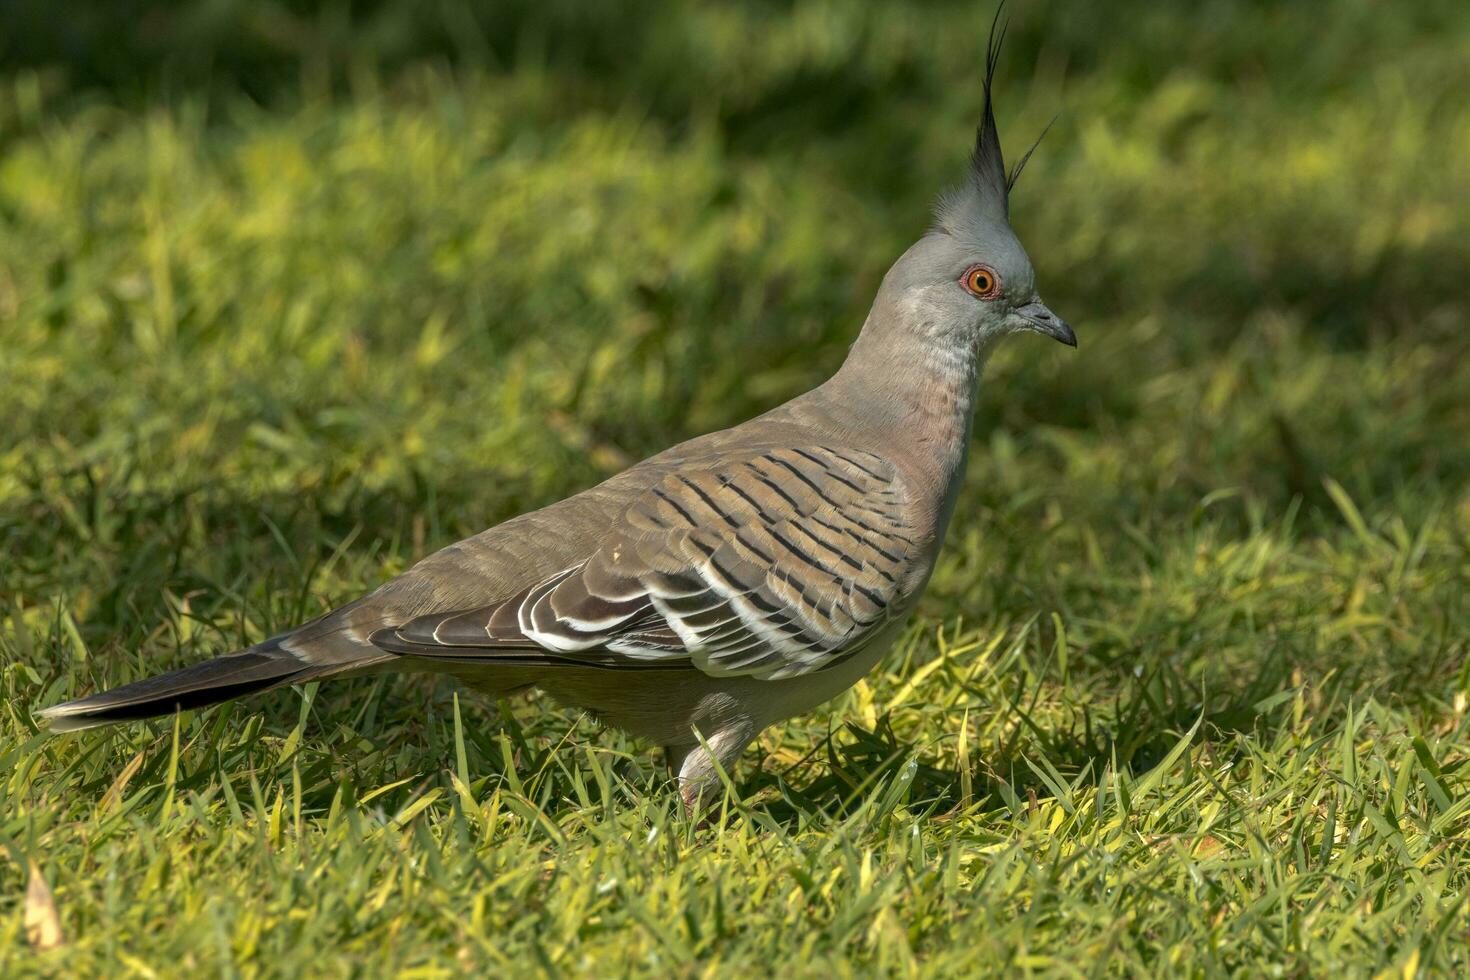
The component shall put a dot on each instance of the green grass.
(1187, 695)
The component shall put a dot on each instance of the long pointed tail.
(222, 679)
(334, 645)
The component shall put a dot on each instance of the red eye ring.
(981, 281)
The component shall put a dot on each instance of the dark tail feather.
(194, 686)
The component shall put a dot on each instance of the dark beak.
(1037, 317)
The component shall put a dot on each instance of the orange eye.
(981, 281)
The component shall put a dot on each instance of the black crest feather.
(987, 164)
(1015, 173)
(986, 196)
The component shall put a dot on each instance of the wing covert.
(773, 565)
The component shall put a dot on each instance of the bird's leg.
(698, 765)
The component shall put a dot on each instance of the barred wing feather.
(774, 565)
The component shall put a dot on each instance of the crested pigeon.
(725, 584)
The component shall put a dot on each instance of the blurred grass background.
(290, 294)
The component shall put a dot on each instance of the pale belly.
(665, 706)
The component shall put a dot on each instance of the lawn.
(289, 298)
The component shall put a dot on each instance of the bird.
(724, 585)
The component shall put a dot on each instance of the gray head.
(968, 280)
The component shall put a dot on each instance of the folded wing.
(773, 565)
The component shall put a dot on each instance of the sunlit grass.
(1187, 694)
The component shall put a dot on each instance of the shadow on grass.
(852, 765)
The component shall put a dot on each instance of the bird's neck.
(916, 393)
